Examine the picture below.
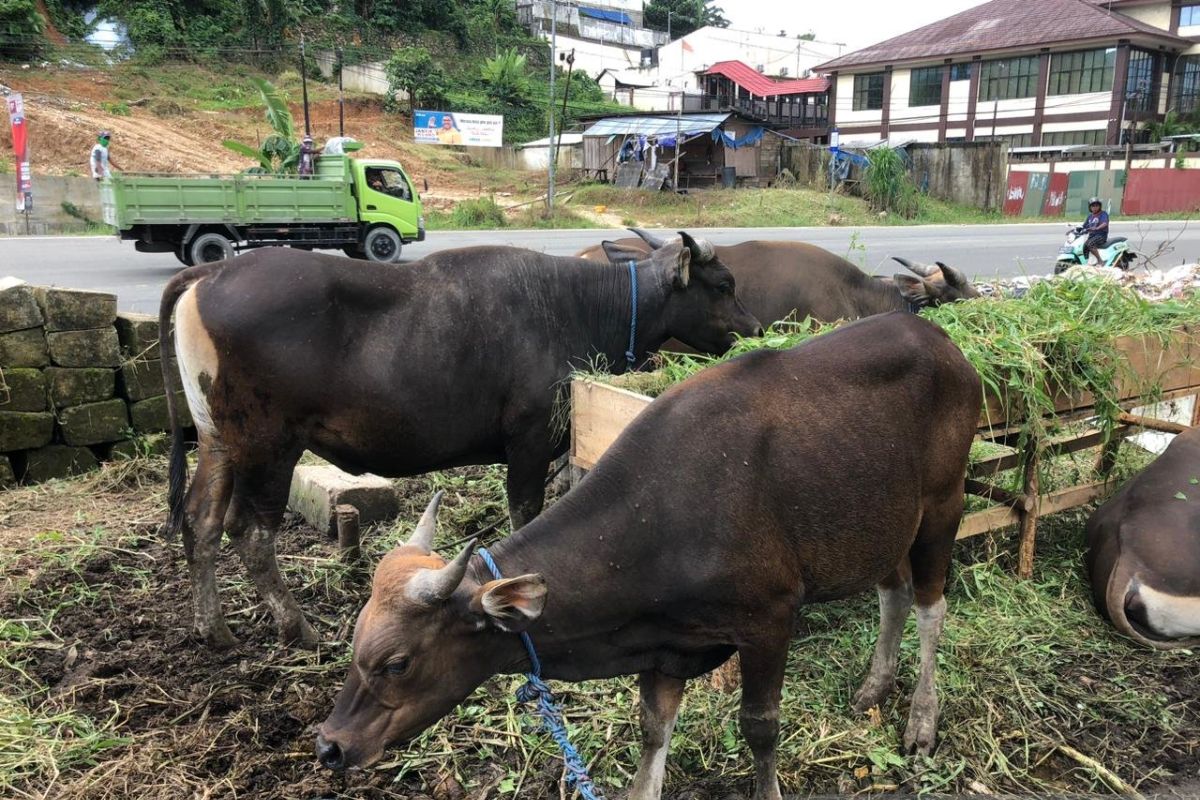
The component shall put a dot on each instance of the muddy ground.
(104, 607)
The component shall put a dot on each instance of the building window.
(1082, 72)
(1188, 16)
(1010, 139)
(868, 92)
(1139, 82)
(925, 87)
(1069, 138)
(960, 72)
(1008, 78)
(1187, 85)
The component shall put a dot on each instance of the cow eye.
(726, 287)
(397, 667)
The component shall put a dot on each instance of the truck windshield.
(388, 181)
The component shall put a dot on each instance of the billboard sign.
(20, 135)
(446, 127)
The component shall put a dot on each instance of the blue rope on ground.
(536, 689)
(630, 356)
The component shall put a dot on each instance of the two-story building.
(1029, 72)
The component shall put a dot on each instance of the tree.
(279, 154)
(506, 80)
(21, 29)
(413, 71)
(685, 15)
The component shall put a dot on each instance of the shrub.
(888, 186)
(21, 29)
(481, 212)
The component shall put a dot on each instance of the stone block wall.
(78, 381)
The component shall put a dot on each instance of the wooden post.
(1029, 518)
(1196, 412)
(1108, 456)
(348, 538)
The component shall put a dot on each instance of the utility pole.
(341, 100)
(669, 12)
(553, 67)
(304, 86)
(566, 94)
(1137, 101)
(678, 139)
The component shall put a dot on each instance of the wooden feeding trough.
(600, 411)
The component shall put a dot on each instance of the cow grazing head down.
(934, 286)
(703, 311)
(426, 638)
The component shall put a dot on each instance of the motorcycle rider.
(1096, 229)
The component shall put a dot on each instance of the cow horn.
(953, 276)
(422, 537)
(917, 269)
(435, 585)
(649, 238)
(702, 249)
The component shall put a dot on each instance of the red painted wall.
(1056, 195)
(1154, 191)
(1014, 197)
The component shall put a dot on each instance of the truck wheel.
(382, 244)
(354, 251)
(184, 256)
(209, 247)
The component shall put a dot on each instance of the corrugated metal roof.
(1004, 25)
(565, 139)
(656, 124)
(760, 85)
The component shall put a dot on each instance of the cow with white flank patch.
(398, 370)
(1143, 554)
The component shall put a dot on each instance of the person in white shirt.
(100, 160)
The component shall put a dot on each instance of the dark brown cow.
(759, 485)
(456, 359)
(777, 279)
(1143, 553)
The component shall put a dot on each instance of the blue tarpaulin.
(750, 138)
(619, 17)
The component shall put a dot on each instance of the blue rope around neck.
(536, 689)
(630, 356)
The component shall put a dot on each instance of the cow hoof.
(218, 637)
(301, 635)
(921, 734)
(872, 693)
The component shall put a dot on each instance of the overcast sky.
(857, 23)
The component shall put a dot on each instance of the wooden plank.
(1162, 426)
(599, 413)
(988, 467)
(999, 517)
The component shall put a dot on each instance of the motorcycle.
(1115, 253)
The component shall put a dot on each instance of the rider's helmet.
(1095, 201)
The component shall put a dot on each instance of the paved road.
(980, 250)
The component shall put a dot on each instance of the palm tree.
(506, 78)
(279, 153)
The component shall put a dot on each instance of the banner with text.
(20, 135)
(445, 127)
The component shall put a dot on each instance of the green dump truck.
(367, 209)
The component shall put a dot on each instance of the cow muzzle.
(330, 754)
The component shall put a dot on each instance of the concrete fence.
(54, 200)
(79, 383)
(969, 173)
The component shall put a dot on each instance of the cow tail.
(1119, 581)
(178, 470)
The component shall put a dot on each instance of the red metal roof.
(1006, 25)
(760, 85)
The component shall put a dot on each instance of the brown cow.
(1143, 553)
(456, 359)
(776, 479)
(778, 279)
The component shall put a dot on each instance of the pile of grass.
(1059, 339)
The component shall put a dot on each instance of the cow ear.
(683, 268)
(620, 254)
(512, 604)
(914, 290)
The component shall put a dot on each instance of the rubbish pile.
(1155, 285)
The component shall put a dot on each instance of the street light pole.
(550, 143)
